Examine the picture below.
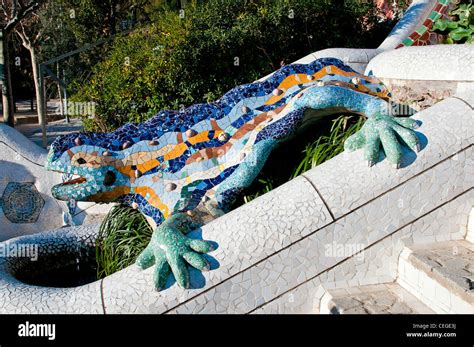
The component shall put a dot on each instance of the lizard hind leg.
(245, 174)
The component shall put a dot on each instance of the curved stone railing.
(423, 75)
(26, 204)
(22, 146)
(425, 63)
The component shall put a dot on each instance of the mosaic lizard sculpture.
(184, 168)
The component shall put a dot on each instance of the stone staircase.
(432, 278)
(372, 299)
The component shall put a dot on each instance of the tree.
(30, 38)
(214, 46)
(13, 12)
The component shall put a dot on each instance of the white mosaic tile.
(441, 138)
(426, 192)
(245, 236)
(450, 219)
(17, 297)
(419, 62)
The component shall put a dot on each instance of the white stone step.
(438, 274)
(386, 298)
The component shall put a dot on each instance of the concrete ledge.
(447, 129)
(436, 274)
(19, 298)
(424, 75)
(378, 263)
(18, 143)
(426, 63)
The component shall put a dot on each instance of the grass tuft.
(123, 234)
(328, 146)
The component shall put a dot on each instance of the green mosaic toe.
(146, 258)
(387, 132)
(170, 251)
(355, 141)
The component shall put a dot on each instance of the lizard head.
(94, 170)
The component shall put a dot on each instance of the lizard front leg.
(384, 130)
(381, 130)
(170, 249)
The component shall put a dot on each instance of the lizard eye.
(81, 161)
(109, 178)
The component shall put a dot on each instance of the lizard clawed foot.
(384, 130)
(169, 250)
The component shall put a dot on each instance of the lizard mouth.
(80, 188)
(63, 190)
(109, 179)
(77, 180)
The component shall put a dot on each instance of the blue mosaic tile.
(21, 202)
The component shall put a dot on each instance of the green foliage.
(459, 28)
(199, 54)
(302, 155)
(328, 146)
(123, 234)
(67, 25)
(264, 185)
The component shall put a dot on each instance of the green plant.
(123, 234)
(328, 146)
(460, 27)
(330, 143)
(265, 185)
(215, 46)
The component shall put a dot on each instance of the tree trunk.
(60, 95)
(40, 100)
(5, 81)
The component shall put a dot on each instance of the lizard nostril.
(109, 178)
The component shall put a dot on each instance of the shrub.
(459, 28)
(218, 44)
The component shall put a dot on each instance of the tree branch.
(14, 8)
(4, 9)
(20, 14)
(25, 41)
